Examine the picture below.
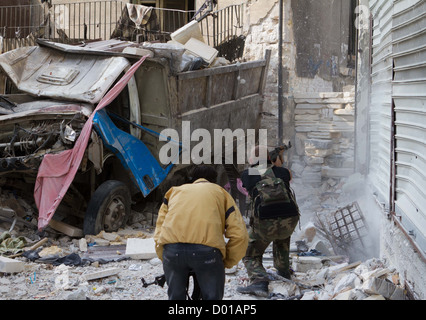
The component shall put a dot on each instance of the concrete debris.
(114, 264)
(304, 264)
(79, 294)
(383, 287)
(82, 244)
(10, 265)
(50, 251)
(101, 274)
(141, 248)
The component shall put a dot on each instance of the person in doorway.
(274, 223)
(193, 222)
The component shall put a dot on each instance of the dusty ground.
(331, 276)
(46, 279)
(50, 281)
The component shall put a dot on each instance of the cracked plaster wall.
(261, 28)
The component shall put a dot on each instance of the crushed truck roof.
(63, 72)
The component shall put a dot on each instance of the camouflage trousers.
(262, 233)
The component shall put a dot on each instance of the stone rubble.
(107, 272)
(319, 277)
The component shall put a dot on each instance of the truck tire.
(108, 209)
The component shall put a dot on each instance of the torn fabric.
(57, 171)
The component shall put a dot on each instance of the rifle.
(160, 280)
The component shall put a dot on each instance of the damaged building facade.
(391, 90)
(353, 91)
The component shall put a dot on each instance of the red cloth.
(57, 171)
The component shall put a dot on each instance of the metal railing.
(222, 25)
(71, 22)
(75, 22)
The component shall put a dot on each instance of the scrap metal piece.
(348, 226)
(346, 230)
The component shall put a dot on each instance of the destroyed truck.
(53, 90)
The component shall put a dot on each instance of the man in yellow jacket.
(190, 233)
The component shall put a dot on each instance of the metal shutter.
(409, 97)
(381, 98)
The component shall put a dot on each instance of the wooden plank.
(264, 75)
(209, 91)
(235, 91)
(66, 228)
(219, 70)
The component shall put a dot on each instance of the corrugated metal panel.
(409, 96)
(381, 97)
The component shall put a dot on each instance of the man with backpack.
(275, 215)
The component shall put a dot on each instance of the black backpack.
(273, 190)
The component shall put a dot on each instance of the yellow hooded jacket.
(202, 213)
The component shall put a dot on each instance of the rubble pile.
(123, 265)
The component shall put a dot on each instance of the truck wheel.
(108, 209)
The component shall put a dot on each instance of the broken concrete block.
(63, 280)
(345, 295)
(377, 273)
(200, 49)
(79, 294)
(322, 276)
(353, 294)
(82, 243)
(101, 274)
(188, 31)
(350, 280)
(321, 247)
(141, 248)
(110, 236)
(383, 287)
(50, 251)
(338, 267)
(304, 264)
(8, 265)
(284, 288)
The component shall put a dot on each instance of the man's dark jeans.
(179, 259)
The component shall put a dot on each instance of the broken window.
(121, 107)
